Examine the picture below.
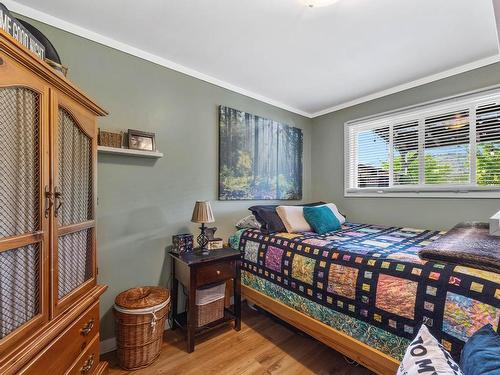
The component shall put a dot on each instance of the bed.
(364, 291)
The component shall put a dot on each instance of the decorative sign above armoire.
(11, 25)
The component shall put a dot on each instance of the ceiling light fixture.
(319, 3)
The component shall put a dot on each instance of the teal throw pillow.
(321, 219)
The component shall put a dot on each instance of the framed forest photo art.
(259, 158)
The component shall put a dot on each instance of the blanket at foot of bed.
(468, 244)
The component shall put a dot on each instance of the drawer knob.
(87, 365)
(218, 272)
(87, 327)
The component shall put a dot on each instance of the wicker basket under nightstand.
(210, 304)
(210, 312)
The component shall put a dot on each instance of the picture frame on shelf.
(141, 140)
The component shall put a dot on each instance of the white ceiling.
(308, 60)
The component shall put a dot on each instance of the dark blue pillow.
(481, 353)
(321, 219)
(268, 218)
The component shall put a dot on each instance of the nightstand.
(194, 270)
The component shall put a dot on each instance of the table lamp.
(202, 214)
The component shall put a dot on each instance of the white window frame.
(469, 100)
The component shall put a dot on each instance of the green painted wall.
(328, 161)
(142, 202)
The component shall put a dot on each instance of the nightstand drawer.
(213, 273)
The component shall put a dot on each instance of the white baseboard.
(108, 345)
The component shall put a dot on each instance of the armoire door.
(74, 185)
(24, 207)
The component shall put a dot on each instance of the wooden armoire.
(49, 298)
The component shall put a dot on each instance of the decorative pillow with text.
(426, 356)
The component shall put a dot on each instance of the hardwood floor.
(263, 346)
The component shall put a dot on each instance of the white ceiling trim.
(109, 42)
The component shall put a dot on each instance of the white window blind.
(488, 144)
(447, 148)
(373, 150)
(440, 149)
(405, 153)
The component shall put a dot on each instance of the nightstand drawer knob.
(218, 272)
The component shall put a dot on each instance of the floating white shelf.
(129, 152)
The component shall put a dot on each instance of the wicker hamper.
(210, 304)
(140, 315)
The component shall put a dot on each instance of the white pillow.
(426, 356)
(336, 212)
(293, 219)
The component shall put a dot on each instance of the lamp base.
(205, 251)
(202, 240)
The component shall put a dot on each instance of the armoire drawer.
(63, 352)
(87, 362)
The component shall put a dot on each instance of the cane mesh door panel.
(20, 266)
(19, 164)
(19, 287)
(75, 171)
(74, 256)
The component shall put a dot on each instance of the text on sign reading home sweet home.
(19, 32)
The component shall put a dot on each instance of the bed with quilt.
(367, 282)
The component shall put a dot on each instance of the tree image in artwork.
(259, 158)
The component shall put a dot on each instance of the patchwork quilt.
(368, 282)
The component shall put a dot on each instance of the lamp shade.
(202, 213)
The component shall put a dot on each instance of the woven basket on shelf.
(209, 312)
(110, 139)
(140, 315)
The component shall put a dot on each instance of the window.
(436, 150)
